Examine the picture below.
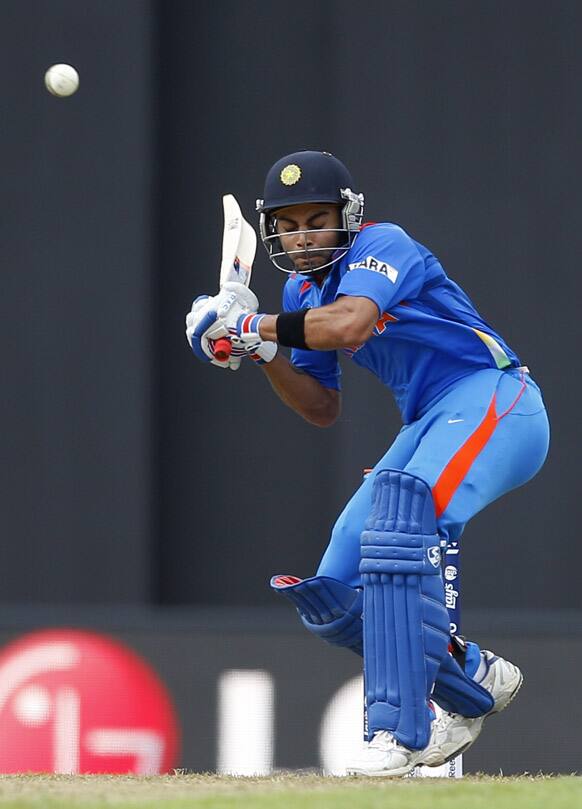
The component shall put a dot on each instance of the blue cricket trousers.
(486, 435)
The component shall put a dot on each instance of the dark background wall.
(76, 335)
(133, 474)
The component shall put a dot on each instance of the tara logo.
(376, 265)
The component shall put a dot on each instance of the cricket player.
(474, 427)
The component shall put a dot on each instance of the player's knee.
(401, 532)
(328, 608)
(401, 538)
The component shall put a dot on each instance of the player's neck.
(319, 277)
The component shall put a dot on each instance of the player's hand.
(240, 302)
(203, 329)
(243, 324)
(205, 323)
(245, 334)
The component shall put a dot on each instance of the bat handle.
(222, 349)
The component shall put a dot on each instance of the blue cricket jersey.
(428, 334)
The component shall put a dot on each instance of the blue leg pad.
(327, 607)
(406, 624)
(456, 692)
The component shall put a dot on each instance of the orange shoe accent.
(452, 475)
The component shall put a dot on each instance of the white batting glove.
(246, 334)
(203, 329)
(236, 300)
(244, 325)
(205, 323)
(264, 352)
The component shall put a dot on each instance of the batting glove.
(246, 335)
(239, 304)
(205, 323)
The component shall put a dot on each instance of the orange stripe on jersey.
(452, 475)
(385, 318)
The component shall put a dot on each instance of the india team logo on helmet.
(291, 174)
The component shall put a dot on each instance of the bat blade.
(239, 246)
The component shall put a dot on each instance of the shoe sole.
(382, 774)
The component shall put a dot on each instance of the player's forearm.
(302, 393)
(347, 322)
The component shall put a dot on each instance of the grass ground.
(290, 791)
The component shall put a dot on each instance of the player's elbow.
(321, 419)
(326, 412)
(357, 331)
(355, 321)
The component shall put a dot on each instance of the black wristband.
(290, 327)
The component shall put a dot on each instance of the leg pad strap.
(327, 607)
(456, 692)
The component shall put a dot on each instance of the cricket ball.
(61, 80)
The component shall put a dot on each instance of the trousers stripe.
(457, 468)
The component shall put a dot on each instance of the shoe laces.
(384, 740)
(445, 718)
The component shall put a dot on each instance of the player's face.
(309, 233)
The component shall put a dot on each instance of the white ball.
(61, 80)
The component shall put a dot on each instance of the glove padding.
(202, 329)
(244, 326)
(206, 322)
(245, 334)
(238, 312)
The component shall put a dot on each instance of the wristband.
(290, 328)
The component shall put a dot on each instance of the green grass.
(291, 791)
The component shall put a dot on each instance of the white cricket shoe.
(452, 733)
(385, 757)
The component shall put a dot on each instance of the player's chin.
(311, 264)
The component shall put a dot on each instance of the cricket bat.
(239, 245)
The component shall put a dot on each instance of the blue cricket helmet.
(304, 177)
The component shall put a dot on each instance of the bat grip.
(222, 349)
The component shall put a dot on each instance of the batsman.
(474, 427)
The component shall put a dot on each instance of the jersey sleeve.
(385, 266)
(322, 365)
